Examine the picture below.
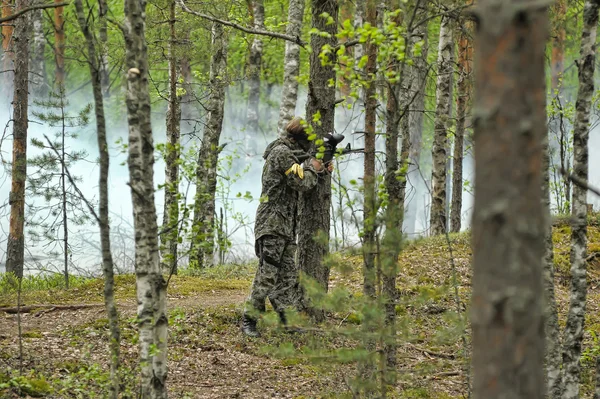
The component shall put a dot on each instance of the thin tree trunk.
(359, 51)
(576, 315)
(15, 243)
(254, 68)
(208, 157)
(558, 42)
(59, 43)
(314, 207)
(417, 75)
(39, 84)
(151, 287)
(508, 221)
(107, 260)
(597, 388)
(368, 241)
(63, 181)
(462, 104)
(171, 207)
(7, 49)
(551, 328)
(438, 217)
(291, 65)
(104, 67)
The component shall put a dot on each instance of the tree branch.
(293, 39)
(27, 9)
(579, 182)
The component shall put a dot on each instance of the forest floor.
(65, 350)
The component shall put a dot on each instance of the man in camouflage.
(283, 177)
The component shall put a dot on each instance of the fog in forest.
(237, 197)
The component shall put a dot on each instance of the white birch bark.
(576, 316)
(208, 157)
(254, 68)
(151, 287)
(291, 65)
(438, 217)
(103, 215)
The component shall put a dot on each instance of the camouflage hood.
(282, 140)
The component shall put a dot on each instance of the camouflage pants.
(276, 276)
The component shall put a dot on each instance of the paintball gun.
(330, 143)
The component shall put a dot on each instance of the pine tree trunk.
(15, 243)
(39, 84)
(103, 214)
(171, 208)
(151, 287)
(208, 157)
(576, 315)
(462, 103)
(417, 76)
(254, 68)
(438, 217)
(59, 44)
(508, 221)
(7, 49)
(314, 207)
(63, 181)
(291, 65)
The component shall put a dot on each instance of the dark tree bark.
(370, 207)
(103, 215)
(314, 207)
(576, 315)
(208, 157)
(438, 215)
(171, 207)
(508, 221)
(462, 110)
(150, 285)
(16, 243)
(254, 68)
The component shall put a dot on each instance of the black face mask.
(304, 144)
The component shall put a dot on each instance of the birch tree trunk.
(508, 222)
(291, 65)
(208, 157)
(576, 315)
(254, 68)
(171, 208)
(438, 217)
(151, 287)
(417, 76)
(16, 243)
(39, 84)
(315, 204)
(59, 44)
(558, 42)
(107, 260)
(103, 36)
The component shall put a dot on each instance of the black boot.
(284, 323)
(249, 326)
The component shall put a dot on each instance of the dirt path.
(208, 357)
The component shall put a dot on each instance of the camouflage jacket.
(282, 179)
